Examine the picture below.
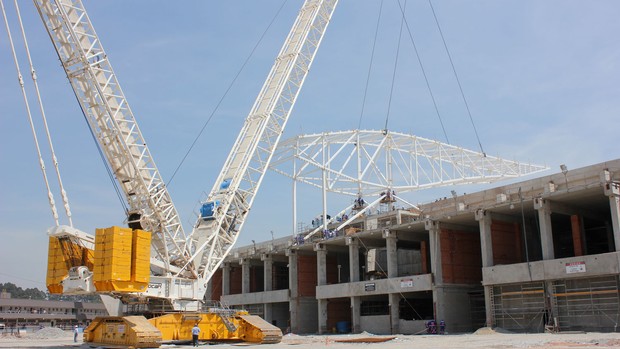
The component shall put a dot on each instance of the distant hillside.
(34, 293)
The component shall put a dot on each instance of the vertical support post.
(245, 275)
(392, 253)
(324, 171)
(612, 190)
(546, 233)
(321, 269)
(354, 258)
(486, 247)
(225, 279)
(294, 290)
(267, 283)
(394, 299)
(356, 326)
(294, 230)
(434, 233)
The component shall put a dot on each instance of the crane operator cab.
(208, 209)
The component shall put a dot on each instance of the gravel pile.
(49, 333)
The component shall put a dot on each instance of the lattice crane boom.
(113, 125)
(237, 184)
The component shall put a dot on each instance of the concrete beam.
(486, 241)
(546, 232)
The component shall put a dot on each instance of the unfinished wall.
(306, 276)
(216, 285)
(235, 279)
(461, 260)
(338, 310)
(257, 279)
(376, 324)
(507, 242)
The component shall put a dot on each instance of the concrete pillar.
(486, 242)
(486, 248)
(356, 326)
(435, 250)
(245, 275)
(267, 272)
(354, 258)
(267, 283)
(394, 299)
(392, 253)
(546, 234)
(612, 190)
(225, 279)
(321, 264)
(322, 316)
(293, 303)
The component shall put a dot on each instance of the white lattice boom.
(368, 162)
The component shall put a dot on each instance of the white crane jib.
(115, 129)
(226, 207)
(182, 265)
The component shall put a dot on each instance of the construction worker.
(195, 333)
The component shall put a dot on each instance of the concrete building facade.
(541, 254)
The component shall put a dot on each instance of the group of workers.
(432, 327)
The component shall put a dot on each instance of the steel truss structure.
(369, 162)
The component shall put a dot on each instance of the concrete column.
(293, 303)
(267, 284)
(245, 275)
(394, 299)
(356, 326)
(486, 242)
(354, 259)
(392, 253)
(321, 264)
(267, 272)
(486, 248)
(225, 279)
(546, 233)
(322, 316)
(435, 250)
(612, 190)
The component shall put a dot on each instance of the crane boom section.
(243, 171)
(114, 127)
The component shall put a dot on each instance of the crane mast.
(113, 125)
(234, 191)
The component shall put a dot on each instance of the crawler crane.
(153, 263)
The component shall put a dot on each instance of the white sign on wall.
(575, 267)
(406, 283)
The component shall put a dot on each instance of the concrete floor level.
(542, 254)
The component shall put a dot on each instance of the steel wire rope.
(50, 195)
(400, 35)
(430, 91)
(217, 106)
(33, 75)
(106, 165)
(458, 81)
(372, 56)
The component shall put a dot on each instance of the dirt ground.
(482, 339)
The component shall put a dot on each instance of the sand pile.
(49, 333)
(489, 330)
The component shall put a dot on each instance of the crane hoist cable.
(456, 76)
(372, 56)
(33, 74)
(400, 35)
(428, 86)
(50, 196)
(230, 85)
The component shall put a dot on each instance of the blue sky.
(541, 79)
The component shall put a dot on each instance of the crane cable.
(50, 196)
(430, 91)
(400, 35)
(372, 56)
(33, 74)
(458, 81)
(230, 85)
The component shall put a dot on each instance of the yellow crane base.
(138, 332)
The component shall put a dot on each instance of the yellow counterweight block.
(122, 260)
(63, 254)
